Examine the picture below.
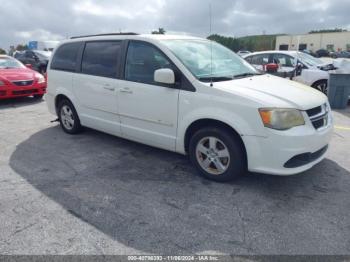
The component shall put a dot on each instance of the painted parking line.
(342, 128)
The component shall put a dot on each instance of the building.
(338, 41)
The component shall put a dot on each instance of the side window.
(65, 58)
(101, 58)
(284, 60)
(249, 59)
(261, 59)
(142, 61)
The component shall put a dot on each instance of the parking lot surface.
(98, 194)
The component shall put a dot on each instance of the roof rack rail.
(82, 36)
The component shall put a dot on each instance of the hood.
(17, 74)
(272, 91)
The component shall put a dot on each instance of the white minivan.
(191, 96)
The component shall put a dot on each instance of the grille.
(319, 116)
(25, 92)
(23, 83)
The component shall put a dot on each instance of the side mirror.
(271, 68)
(29, 66)
(164, 76)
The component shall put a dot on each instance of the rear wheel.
(321, 86)
(217, 154)
(68, 117)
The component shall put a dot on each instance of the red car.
(17, 80)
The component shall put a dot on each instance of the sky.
(25, 20)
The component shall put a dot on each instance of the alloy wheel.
(213, 155)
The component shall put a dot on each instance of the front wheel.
(38, 97)
(217, 154)
(321, 86)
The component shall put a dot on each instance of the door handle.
(126, 90)
(109, 88)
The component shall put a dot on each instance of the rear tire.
(69, 118)
(217, 154)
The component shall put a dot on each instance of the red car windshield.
(10, 63)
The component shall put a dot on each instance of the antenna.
(211, 46)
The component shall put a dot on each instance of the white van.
(314, 71)
(190, 96)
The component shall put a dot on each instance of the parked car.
(243, 52)
(17, 54)
(16, 80)
(37, 59)
(314, 71)
(191, 96)
(322, 53)
(341, 54)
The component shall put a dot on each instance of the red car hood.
(17, 74)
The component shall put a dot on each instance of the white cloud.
(38, 34)
(50, 20)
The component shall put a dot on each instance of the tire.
(38, 97)
(217, 154)
(321, 86)
(69, 118)
(42, 70)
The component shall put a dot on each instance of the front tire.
(217, 154)
(38, 97)
(69, 118)
(321, 86)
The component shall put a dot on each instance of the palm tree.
(161, 31)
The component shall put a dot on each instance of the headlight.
(281, 119)
(2, 83)
(41, 79)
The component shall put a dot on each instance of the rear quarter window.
(65, 58)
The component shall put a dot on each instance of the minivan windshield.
(209, 61)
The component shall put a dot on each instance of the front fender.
(233, 119)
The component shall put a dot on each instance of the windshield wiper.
(215, 78)
(245, 75)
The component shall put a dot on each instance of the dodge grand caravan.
(190, 96)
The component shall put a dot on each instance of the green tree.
(21, 47)
(160, 31)
(250, 43)
(2, 51)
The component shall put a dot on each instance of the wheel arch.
(209, 122)
(59, 98)
(318, 81)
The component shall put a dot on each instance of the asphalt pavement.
(98, 194)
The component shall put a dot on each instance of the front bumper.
(288, 152)
(7, 92)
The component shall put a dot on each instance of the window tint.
(261, 59)
(65, 57)
(101, 59)
(284, 60)
(142, 61)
